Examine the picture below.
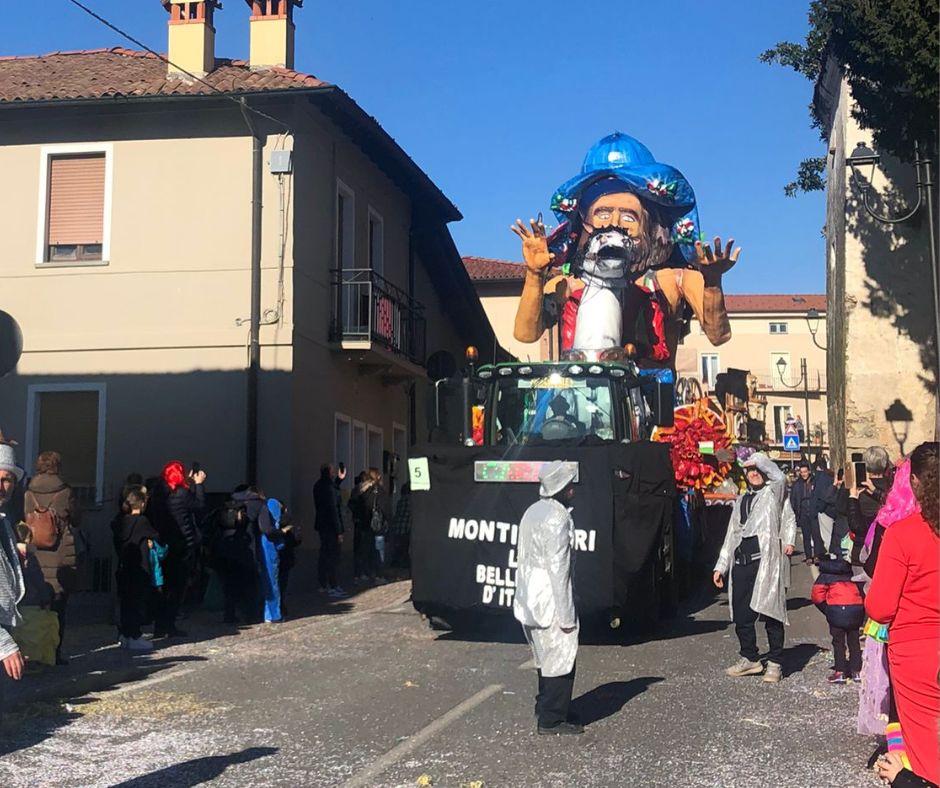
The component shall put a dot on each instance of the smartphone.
(861, 475)
(849, 472)
(342, 467)
(857, 456)
(196, 467)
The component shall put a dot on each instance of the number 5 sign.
(419, 474)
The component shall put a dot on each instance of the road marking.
(367, 776)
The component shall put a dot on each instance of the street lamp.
(804, 381)
(864, 156)
(899, 417)
(812, 320)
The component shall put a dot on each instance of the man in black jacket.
(804, 507)
(329, 525)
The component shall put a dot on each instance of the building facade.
(881, 337)
(774, 340)
(156, 223)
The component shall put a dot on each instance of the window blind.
(76, 200)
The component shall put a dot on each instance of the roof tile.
(120, 72)
(482, 268)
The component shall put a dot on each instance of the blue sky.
(498, 102)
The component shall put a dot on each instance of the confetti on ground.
(145, 705)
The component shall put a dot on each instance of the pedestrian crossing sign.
(791, 443)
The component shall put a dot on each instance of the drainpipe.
(254, 343)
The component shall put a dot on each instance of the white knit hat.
(555, 476)
(8, 461)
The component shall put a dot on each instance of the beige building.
(141, 274)
(881, 335)
(771, 337)
(499, 283)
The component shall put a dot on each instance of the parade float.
(614, 284)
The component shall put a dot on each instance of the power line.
(240, 102)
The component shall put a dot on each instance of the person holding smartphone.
(177, 502)
(866, 495)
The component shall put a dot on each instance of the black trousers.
(240, 592)
(328, 561)
(132, 600)
(366, 557)
(175, 582)
(59, 603)
(554, 698)
(283, 575)
(743, 578)
(841, 638)
(812, 537)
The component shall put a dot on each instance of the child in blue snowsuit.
(272, 543)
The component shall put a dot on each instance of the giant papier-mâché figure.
(631, 259)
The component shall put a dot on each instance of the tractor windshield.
(553, 408)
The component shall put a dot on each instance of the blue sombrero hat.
(626, 159)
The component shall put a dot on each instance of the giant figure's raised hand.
(534, 245)
(714, 264)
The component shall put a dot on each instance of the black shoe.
(562, 729)
(882, 749)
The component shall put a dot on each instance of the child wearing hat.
(840, 601)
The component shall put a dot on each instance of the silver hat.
(555, 476)
(8, 461)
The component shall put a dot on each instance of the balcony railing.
(767, 382)
(369, 308)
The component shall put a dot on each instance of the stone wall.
(881, 345)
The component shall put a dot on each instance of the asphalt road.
(378, 699)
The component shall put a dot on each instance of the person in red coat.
(905, 595)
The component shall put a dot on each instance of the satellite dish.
(11, 343)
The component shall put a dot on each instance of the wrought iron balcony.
(369, 312)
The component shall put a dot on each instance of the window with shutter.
(75, 210)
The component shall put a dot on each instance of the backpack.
(234, 515)
(377, 521)
(46, 528)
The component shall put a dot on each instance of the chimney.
(192, 37)
(272, 33)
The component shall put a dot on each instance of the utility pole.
(805, 377)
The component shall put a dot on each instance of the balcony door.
(781, 414)
(354, 310)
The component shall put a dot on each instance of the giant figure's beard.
(612, 255)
